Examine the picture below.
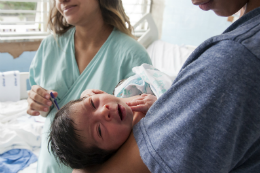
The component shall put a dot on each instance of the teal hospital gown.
(55, 68)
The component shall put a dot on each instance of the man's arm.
(127, 159)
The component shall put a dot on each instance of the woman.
(91, 48)
(208, 121)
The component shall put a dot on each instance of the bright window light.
(27, 19)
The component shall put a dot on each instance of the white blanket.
(18, 130)
(147, 79)
(168, 58)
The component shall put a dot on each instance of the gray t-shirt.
(209, 120)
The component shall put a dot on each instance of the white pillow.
(167, 57)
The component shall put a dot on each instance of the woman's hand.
(39, 100)
(91, 92)
(142, 103)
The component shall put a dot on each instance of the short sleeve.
(208, 121)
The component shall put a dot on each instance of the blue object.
(28, 86)
(54, 102)
(208, 121)
(22, 63)
(15, 160)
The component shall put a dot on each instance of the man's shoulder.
(246, 32)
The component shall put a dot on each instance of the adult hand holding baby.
(39, 100)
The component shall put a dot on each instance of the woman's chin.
(70, 21)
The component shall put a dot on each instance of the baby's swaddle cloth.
(15, 160)
(9, 86)
(147, 79)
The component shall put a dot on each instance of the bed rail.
(24, 85)
(151, 34)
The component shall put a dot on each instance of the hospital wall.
(185, 23)
(22, 63)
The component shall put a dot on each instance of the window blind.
(25, 19)
(135, 9)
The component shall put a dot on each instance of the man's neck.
(251, 5)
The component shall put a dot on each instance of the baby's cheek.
(122, 134)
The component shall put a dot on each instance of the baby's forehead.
(76, 107)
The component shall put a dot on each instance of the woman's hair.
(112, 11)
(67, 146)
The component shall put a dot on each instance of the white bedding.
(167, 57)
(18, 130)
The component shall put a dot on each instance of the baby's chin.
(127, 108)
(129, 112)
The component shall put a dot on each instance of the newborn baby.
(87, 131)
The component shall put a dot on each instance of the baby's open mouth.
(120, 112)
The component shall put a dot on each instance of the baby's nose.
(107, 112)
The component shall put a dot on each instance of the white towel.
(18, 130)
(147, 79)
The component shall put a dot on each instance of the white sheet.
(147, 79)
(18, 130)
(167, 57)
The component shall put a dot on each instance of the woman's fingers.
(32, 112)
(34, 107)
(40, 91)
(53, 92)
(38, 100)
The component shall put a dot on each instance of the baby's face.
(103, 120)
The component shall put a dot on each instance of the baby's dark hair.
(67, 146)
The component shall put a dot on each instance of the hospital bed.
(25, 131)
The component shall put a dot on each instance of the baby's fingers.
(139, 108)
(96, 91)
(135, 102)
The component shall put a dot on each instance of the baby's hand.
(142, 103)
(91, 92)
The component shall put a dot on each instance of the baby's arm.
(142, 103)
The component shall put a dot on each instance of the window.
(27, 19)
(135, 9)
(23, 19)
